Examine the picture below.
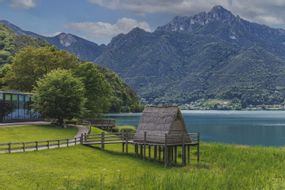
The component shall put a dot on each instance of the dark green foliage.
(6, 108)
(97, 89)
(31, 64)
(59, 95)
(123, 98)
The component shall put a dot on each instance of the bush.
(125, 128)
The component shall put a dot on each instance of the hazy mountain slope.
(84, 49)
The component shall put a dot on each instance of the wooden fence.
(39, 145)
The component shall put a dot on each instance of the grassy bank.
(222, 167)
(35, 132)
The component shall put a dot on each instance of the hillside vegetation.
(24, 59)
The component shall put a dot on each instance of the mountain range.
(209, 55)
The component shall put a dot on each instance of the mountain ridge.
(213, 54)
(82, 48)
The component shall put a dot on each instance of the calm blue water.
(266, 128)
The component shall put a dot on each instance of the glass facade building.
(22, 106)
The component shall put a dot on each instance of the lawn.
(222, 167)
(33, 133)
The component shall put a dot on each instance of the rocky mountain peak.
(189, 23)
(66, 40)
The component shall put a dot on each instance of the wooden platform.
(164, 152)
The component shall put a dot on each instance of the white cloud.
(263, 11)
(23, 4)
(104, 31)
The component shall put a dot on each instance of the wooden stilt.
(183, 152)
(198, 148)
(155, 152)
(141, 151)
(144, 146)
(165, 152)
(188, 152)
(175, 154)
(149, 151)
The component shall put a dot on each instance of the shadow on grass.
(160, 163)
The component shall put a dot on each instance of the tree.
(4, 69)
(98, 91)
(59, 95)
(31, 64)
(6, 108)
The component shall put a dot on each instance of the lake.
(266, 128)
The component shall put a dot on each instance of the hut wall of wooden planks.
(163, 130)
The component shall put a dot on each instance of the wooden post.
(9, 148)
(37, 146)
(67, 143)
(188, 151)
(127, 143)
(75, 139)
(141, 151)
(136, 150)
(159, 153)
(85, 137)
(123, 146)
(155, 152)
(81, 138)
(102, 140)
(144, 145)
(48, 144)
(58, 143)
(24, 147)
(198, 147)
(183, 152)
(149, 151)
(165, 152)
(175, 154)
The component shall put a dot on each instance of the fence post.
(48, 144)
(81, 138)
(85, 137)
(75, 140)
(67, 142)
(58, 143)
(37, 146)
(165, 152)
(102, 140)
(9, 148)
(24, 148)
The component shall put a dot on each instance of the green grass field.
(33, 133)
(80, 167)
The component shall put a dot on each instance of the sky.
(100, 20)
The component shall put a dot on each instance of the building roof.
(14, 92)
(159, 121)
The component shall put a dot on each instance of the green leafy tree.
(59, 95)
(4, 69)
(31, 64)
(6, 108)
(98, 91)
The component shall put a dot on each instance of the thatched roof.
(158, 121)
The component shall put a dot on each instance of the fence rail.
(38, 145)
